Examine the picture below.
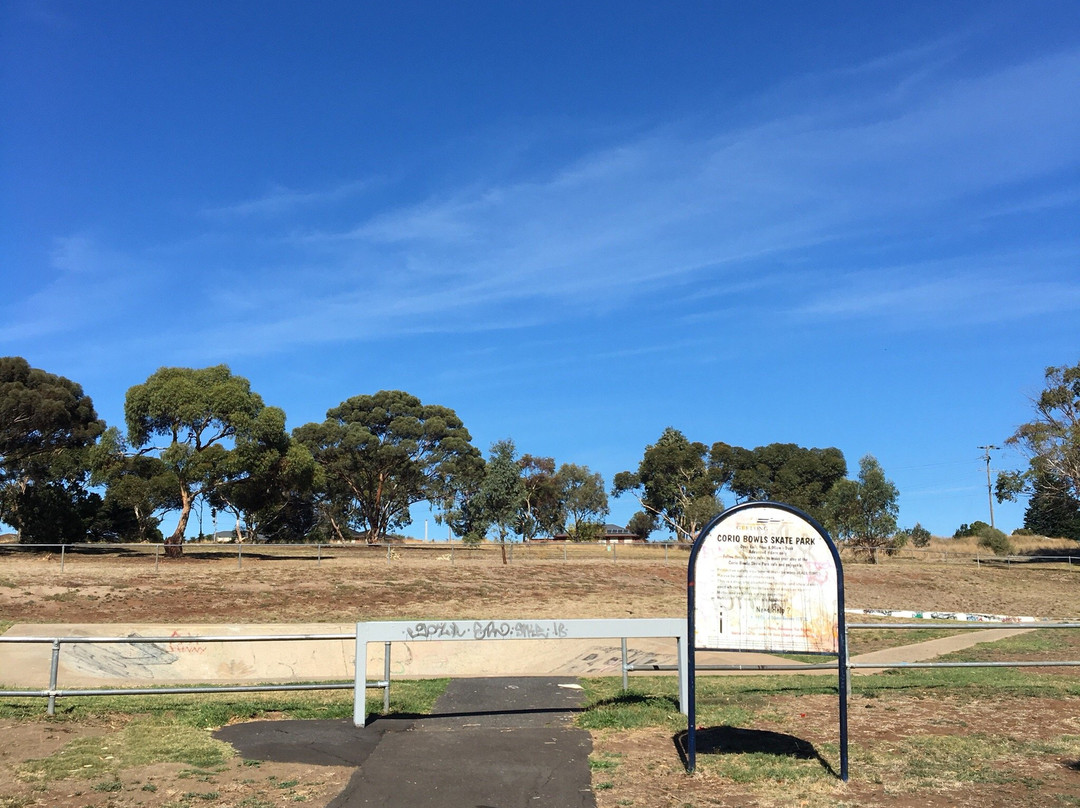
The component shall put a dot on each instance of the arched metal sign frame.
(810, 525)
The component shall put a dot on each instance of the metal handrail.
(53, 692)
(821, 666)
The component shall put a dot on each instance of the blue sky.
(833, 224)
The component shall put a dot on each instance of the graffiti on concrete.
(120, 660)
(487, 630)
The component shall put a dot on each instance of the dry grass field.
(1003, 738)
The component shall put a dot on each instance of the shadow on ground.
(738, 741)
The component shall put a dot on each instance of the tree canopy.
(203, 436)
(47, 423)
(673, 483)
(268, 481)
(200, 414)
(502, 492)
(779, 472)
(584, 500)
(141, 485)
(1051, 511)
(1051, 441)
(541, 509)
(382, 453)
(863, 512)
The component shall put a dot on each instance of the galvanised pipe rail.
(53, 692)
(966, 625)
(831, 666)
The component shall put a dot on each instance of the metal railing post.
(625, 682)
(318, 550)
(386, 679)
(239, 555)
(62, 548)
(54, 667)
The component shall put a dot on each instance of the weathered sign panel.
(764, 576)
(765, 580)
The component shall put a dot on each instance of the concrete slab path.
(932, 649)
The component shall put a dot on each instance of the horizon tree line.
(203, 437)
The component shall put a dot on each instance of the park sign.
(765, 577)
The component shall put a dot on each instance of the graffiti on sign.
(486, 630)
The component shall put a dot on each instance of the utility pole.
(989, 490)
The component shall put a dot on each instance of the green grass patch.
(137, 744)
(744, 739)
(176, 729)
(809, 659)
(603, 763)
(758, 767)
(734, 700)
(5, 625)
(939, 762)
(255, 802)
(1028, 646)
(212, 710)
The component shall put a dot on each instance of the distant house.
(229, 537)
(617, 534)
(613, 534)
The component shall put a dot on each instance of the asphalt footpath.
(489, 743)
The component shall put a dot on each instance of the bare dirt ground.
(344, 587)
(269, 587)
(889, 761)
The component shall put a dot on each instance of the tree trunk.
(174, 545)
(337, 530)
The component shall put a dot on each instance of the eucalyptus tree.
(641, 524)
(140, 485)
(268, 482)
(779, 472)
(502, 493)
(674, 484)
(542, 510)
(199, 414)
(1051, 442)
(584, 500)
(383, 453)
(47, 424)
(863, 512)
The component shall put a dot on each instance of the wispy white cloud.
(973, 289)
(90, 290)
(710, 208)
(280, 200)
